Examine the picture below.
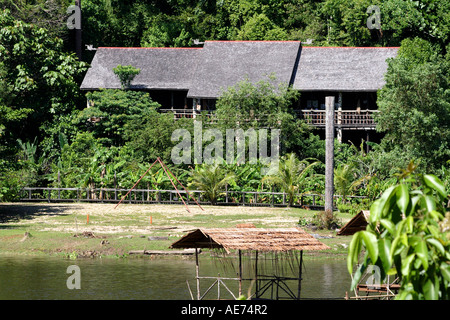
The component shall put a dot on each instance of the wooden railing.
(180, 113)
(342, 118)
(113, 195)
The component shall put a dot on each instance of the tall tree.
(415, 105)
(40, 79)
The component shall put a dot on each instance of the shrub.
(325, 220)
(406, 236)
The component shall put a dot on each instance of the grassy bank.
(64, 229)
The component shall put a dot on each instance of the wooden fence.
(316, 118)
(112, 195)
(342, 118)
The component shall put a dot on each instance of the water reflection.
(147, 279)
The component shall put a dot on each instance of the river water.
(29, 278)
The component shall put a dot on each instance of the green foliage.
(79, 162)
(46, 83)
(111, 110)
(43, 123)
(347, 22)
(166, 31)
(405, 237)
(292, 175)
(115, 22)
(149, 136)
(255, 100)
(400, 19)
(415, 105)
(325, 220)
(259, 27)
(266, 104)
(126, 74)
(247, 176)
(328, 22)
(211, 179)
(34, 90)
(47, 14)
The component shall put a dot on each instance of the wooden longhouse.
(290, 242)
(187, 81)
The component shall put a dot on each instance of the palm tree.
(346, 179)
(211, 179)
(343, 177)
(292, 175)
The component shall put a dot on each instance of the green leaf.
(402, 194)
(391, 272)
(354, 249)
(430, 290)
(370, 242)
(375, 211)
(405, 226)
(381, 207)
(398, 240)
(436, 215)
(445, 271)
(429, 202)
(384, 247)
(389, 225)
(358, 273)
(435, 183)
(422, 253)
(406, 264)
(437, 244)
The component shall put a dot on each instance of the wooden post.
(367, 140)
(59, 185)
(197, 274)
(273, 197)
(329, 153)
(115, 186)
(218, 286)
(300, 274)
(78, 41)
(339, 118)
(240, 273)
(256, 274)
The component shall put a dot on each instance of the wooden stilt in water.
(300, 274)
(256, 275)
(240, 273)
(197, 274)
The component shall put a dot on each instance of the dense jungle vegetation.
(45, 139)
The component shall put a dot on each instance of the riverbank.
(78, 230)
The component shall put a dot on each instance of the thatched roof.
(224, 63)
(261, 239)
(161, 68)
(205, 72)
(342, 68)
(357, 223)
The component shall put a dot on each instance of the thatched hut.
(357, 223)
(286, 242)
